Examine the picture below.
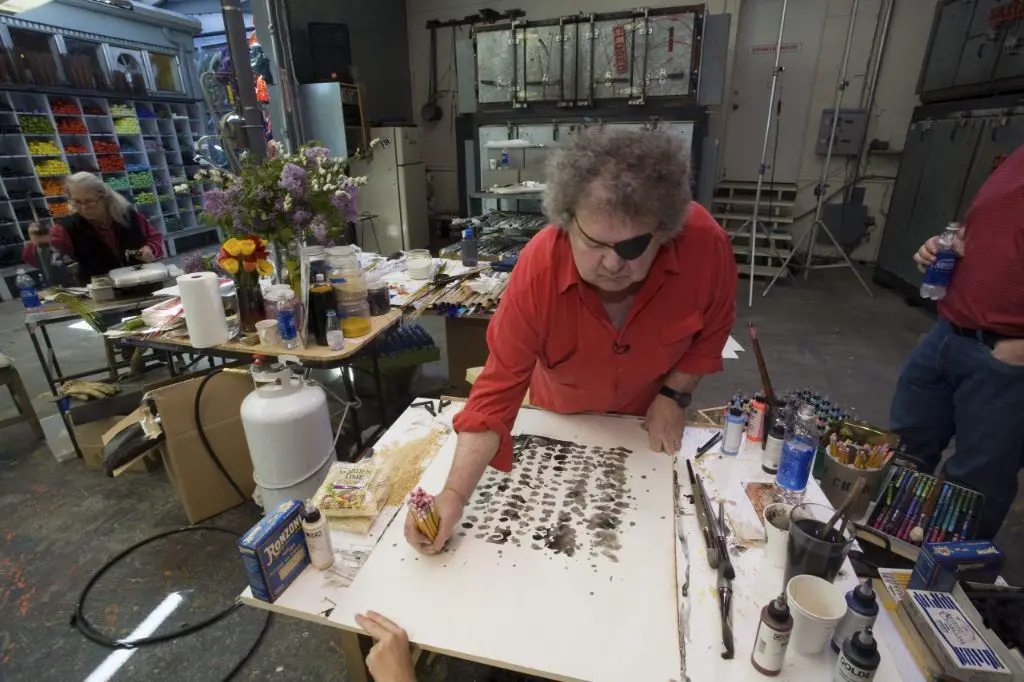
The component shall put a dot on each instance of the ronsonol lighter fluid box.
(274, 551)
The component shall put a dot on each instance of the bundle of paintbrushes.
(864, 457)
(916, 507)
(421, 506)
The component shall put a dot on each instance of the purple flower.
(319, 229)
(301, 217)
(192, 262)
(217, 203)
(314, 153)
(293, 180)
(346, 206)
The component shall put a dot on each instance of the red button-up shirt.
(551, 333)
(987, 290)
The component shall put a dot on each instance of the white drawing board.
(566, 573)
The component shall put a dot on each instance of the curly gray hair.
(638, 173)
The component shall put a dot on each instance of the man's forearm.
(684, 383)
(473, 452)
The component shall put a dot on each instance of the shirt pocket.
(676, 339)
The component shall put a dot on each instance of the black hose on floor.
(84, 626)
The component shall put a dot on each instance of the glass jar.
(378, 296)
(355, 318)
(419, 264)
(346, 275)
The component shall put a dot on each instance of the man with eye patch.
(621, 306)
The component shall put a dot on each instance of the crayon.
(902, 500)
(937, 512)
(909, 520)
(963, 535)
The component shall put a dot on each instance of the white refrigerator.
(396, 192)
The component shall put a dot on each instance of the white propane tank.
(288, 428)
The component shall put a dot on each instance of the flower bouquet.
(246, 260)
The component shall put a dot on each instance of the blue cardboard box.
(941, 564)
(274, 551)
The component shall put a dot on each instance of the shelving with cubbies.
(140, 148)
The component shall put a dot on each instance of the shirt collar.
(567, 275)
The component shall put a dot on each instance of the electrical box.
(850, 132)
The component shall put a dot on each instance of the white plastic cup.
(267, 331)
(776, 533)
(817, 607)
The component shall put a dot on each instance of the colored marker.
(961, 503)
(907, 516)
(937, 513)
(954, 501)
(967, 519)
(940, 515)
(922, 494)
(890, 491)
(902, 500)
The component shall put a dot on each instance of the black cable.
(202, 434)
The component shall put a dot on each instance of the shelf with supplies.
(44, 148)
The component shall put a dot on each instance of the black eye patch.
(633, 248)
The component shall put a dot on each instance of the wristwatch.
(683, 400)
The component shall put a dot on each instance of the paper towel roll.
(204, 309)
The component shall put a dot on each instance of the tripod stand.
(811, 235)
(755, 222)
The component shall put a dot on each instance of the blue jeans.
(950, 386)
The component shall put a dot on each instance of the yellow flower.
(229, 264)
(264, 267)
(248, 246)
(233, 247)
(263, 242)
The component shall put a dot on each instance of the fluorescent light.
(17, 6)
(112, 663)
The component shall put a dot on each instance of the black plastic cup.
(808, 553)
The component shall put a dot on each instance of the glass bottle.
(335, 337)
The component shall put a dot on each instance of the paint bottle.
(861, 614)
(318, 538)
(773, 447)
(733, 431)
(859, 659)
(772, 637)
(756, 424)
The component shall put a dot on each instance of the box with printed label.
(274, 551)
(941, 564)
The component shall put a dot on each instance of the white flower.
(288, 203)
(316, 186)
(265, 216)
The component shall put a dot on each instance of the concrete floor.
(61, 522)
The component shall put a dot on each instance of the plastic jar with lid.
(419, 264)
(355, 318)
(345, 275)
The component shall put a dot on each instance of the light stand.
(755, 220)
(822, 187)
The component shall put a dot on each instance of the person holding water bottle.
(966, 378)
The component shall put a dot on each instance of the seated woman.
(104, 232)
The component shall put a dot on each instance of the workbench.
(312, 356)
(492, 615)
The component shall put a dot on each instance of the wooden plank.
(520, 605)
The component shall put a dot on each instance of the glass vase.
(250, 306)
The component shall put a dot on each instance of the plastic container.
(288, 429)
(27, 290)
(469, 248)
(420, 264)
(798, 454)
(287, 322)
(355, 319)
(335, 337)
(938, 275)
(346, 276)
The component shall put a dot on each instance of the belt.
(988, 338)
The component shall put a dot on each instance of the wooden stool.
(9, 377)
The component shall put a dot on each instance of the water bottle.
(335, 337)
(798, 455)
(469, 250)
(504, 158)
(27, 290)
(937, 276)
(287, 328)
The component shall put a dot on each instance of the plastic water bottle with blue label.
(798, 455)
(27, 290)
(937, 276)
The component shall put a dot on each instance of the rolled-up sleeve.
(153, 239)
(705, 354)
(513, 344)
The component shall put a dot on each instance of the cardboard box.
(90, 439)
(200, 485)
(941, 564)
(146, 462)
(274, 551)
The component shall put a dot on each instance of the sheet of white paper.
(565, 568)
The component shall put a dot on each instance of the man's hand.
(926, 255)
(146, 254)
(37, 236)
(1009, 351)
(389, 660)
(448, 505)
(665, 424)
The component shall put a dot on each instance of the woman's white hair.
(117, 206)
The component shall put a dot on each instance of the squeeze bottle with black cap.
(318, 537)
(859, 658)
(861, 614)
(772, 637)
(773, 447)
(734, 423)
